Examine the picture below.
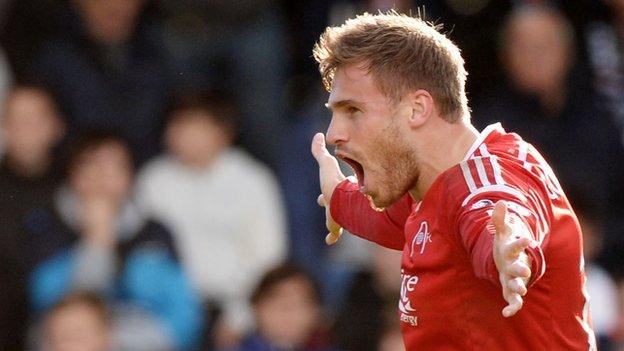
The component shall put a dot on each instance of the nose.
(336, 132)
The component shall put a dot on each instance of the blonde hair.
(403, 53)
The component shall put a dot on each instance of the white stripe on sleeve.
(498, 176)
(468, 176)
(481, 171)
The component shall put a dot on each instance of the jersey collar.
(495, 128)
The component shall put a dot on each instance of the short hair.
(403, 53)
(88, 142)
(280, 274)
(215, 105)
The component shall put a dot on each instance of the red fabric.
(451, 297)
(384, 228)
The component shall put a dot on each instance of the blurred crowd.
(157, 190)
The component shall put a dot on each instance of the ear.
(421, 103)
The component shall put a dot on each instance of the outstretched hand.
(510, 258)
(329, 175)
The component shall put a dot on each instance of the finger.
(332, 238)
(515, 304)
(518, 269)
(499, 218)
(514, 248)
(319, 150)
(517, 286)
(321, 200)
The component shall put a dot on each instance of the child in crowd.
(287, 309)
(78, 322)
(223, 207)
(95, 239)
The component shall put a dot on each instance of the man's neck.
(446, 146)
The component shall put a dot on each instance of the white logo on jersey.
(481, 204)
(408, 284)
(422, 237)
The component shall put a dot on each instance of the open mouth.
(356, 167)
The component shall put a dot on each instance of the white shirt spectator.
(603, 300)
(228, 222)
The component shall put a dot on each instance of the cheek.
(175, 138)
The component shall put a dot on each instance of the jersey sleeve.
(352, 210)
(526, 213)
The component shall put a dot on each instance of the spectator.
(31, 127)
(368, 319)
(94, 239)
(605, 55)
(240, 47)
(600, 285)
(606, 60)
(79, 321)
(547, 100)
(287, 307)
(109, 71)
(224, 208)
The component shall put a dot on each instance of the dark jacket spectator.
(367, 321)
(551, 104)
(31, 128)
(109, 71)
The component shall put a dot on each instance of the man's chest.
(430, 243)
(433, 261)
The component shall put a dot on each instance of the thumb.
(499, 218)
(319, 149)
(329, 170)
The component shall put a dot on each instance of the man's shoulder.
(480, 181)
(482, 173)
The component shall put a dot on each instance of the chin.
(379, 203)
(385, 197)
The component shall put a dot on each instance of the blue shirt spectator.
(94, 239)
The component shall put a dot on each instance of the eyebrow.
(341, 103)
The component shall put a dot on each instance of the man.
(475, 214)
(110, 71)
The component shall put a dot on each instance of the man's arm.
(353, 210)
(503, 244)
(346, 207)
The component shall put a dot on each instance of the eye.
(353, 110)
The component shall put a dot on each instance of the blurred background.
(157, 190)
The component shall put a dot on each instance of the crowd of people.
(157, 190)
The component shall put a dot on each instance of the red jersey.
(451, 297)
